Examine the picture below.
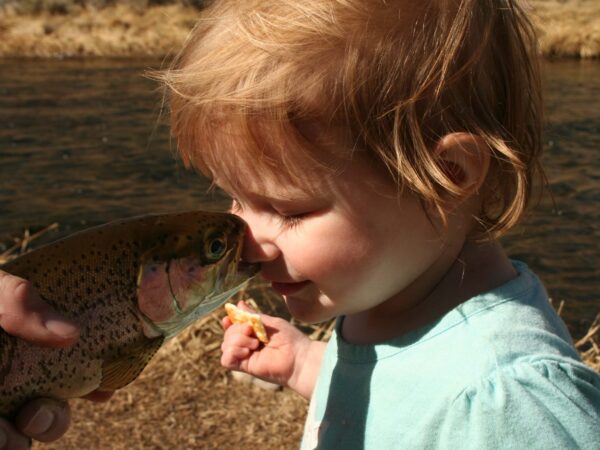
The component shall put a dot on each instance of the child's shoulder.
(509, 351)
(540, 401)
(510, 325)
(511, 331)
(528, 404)
(504, 361)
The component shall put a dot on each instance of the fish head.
(192, 272)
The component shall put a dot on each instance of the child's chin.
(307, 312)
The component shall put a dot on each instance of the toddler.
(377, 150)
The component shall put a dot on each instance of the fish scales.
(128, 285)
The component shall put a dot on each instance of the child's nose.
(258, 244)
(258, 248)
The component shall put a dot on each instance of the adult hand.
(25, 315)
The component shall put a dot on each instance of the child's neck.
(476, 269)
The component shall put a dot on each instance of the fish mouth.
(247, 269)
(231, 276)
(189, 287)
(244, 269)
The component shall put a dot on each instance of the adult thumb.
(24, 314)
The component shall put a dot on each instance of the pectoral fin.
(126, 367)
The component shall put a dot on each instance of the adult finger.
(24, 314)
(44, 419)
(10, 439)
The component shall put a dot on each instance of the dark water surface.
(81, 144)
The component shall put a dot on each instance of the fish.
(130, 285)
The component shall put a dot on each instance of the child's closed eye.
(289, 221)
(288, 216)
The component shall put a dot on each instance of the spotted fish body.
(129, 285)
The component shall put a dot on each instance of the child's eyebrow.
(284, 200)
(266, 193)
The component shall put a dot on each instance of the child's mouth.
(289, 288)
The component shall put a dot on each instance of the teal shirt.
(497, 372)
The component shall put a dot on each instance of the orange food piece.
(236, 315)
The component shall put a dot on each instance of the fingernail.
(40, 422)
(3, 438)
(61, 328)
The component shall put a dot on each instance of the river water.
(82, 142)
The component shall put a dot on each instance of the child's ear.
(464, 159)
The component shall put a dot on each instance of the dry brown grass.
(117, 31)
(185, 399)
(568, 28)
(589, 345)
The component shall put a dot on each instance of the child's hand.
(279, 361)
(25, 315)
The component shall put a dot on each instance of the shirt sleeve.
(542, 404)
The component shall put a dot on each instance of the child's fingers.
(226, 322)
(245, 307)
(24, 314)
(239, 335)
(233, 357)
(238, 344)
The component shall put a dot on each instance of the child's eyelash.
(291, 221)
(287, 221)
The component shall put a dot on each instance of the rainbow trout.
(129, 285)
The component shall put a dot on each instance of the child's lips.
(289, 288)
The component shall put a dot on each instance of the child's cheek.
(333, 260)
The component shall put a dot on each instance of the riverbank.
(567, 28)
(115, 31)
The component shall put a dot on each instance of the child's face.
(344, 245)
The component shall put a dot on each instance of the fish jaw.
(173, 294)
(173, 327)
(209, 294)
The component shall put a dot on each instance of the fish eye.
(215, 247)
